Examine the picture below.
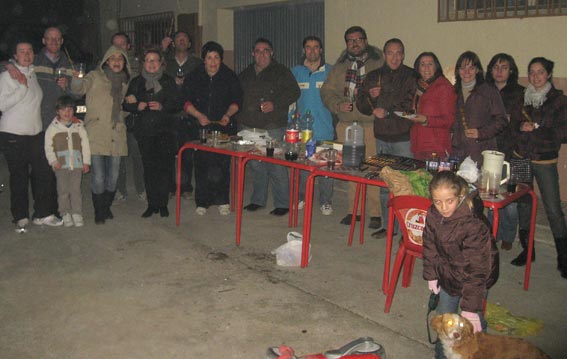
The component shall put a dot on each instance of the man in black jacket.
(269, 89)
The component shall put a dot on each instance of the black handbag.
(521, 169)
(131, 122)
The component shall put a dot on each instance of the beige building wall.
(413, 21)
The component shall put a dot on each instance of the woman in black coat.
(152, 99)
(213, 97)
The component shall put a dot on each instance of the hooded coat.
(461, 253)
(106, 138)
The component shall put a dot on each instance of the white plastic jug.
(354, 149)
(493, 161)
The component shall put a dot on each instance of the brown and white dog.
(459, 341)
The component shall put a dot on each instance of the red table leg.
(291, 196)
(531, 240)
(307, 218)
(233, 178)
(362, 214)
(389, 240)
(239, 199)
(354, 211)
(296, 197)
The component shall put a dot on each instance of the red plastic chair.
(410, 211)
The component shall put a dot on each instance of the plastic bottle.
(432, 163)
(292, 138)
(354, 148)
(307, 134)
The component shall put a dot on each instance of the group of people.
(145, 113)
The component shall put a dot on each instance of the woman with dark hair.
(434, 105)
(536, 137)
(152, 98)
(480, 114)
(502, 72)
(105, 88)
(213, 97)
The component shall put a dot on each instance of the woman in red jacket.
(434, 106)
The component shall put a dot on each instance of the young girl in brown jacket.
(460, 258)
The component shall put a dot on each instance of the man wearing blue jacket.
(310, 76)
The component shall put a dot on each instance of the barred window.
(147, 30)
(462, 10)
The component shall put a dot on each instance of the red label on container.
(291, 136)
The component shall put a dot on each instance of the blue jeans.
(390, 148)
(325, 188)
(450, 304)
(508, 222)
(104, 173)
(264, 173)
(548, 182)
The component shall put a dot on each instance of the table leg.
(389, 240)
(233, 178)
(531, 240)
(362, 214)
(291, 191)
(307, 219)
(495, 222)
(240, 198)
(354, 211)
(296, 196)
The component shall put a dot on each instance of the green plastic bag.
(501, 320)
(419, 180)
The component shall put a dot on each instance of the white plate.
(401, 114)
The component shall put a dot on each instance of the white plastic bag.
(289, 254)
(468, 170)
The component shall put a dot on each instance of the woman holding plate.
(213, 96)
(434, 105)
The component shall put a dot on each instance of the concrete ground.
(144, 288)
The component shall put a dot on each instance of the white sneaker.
(67, 220)
(224, 209)
(78, 219)
(120, 197)
(201, 211)
(301, 205)
(21, 225)
(50, 220)
(326, 209)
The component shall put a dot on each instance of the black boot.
(521, 259)
(98, 204)
(108, 199)
(561, 247)
(150, 211)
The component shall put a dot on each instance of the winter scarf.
(535, 98)
(117, 80)
(355, 75)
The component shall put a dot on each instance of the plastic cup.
(331, 159)
(482, 182)
(494, 183)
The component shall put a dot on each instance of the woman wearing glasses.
(479, 114)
